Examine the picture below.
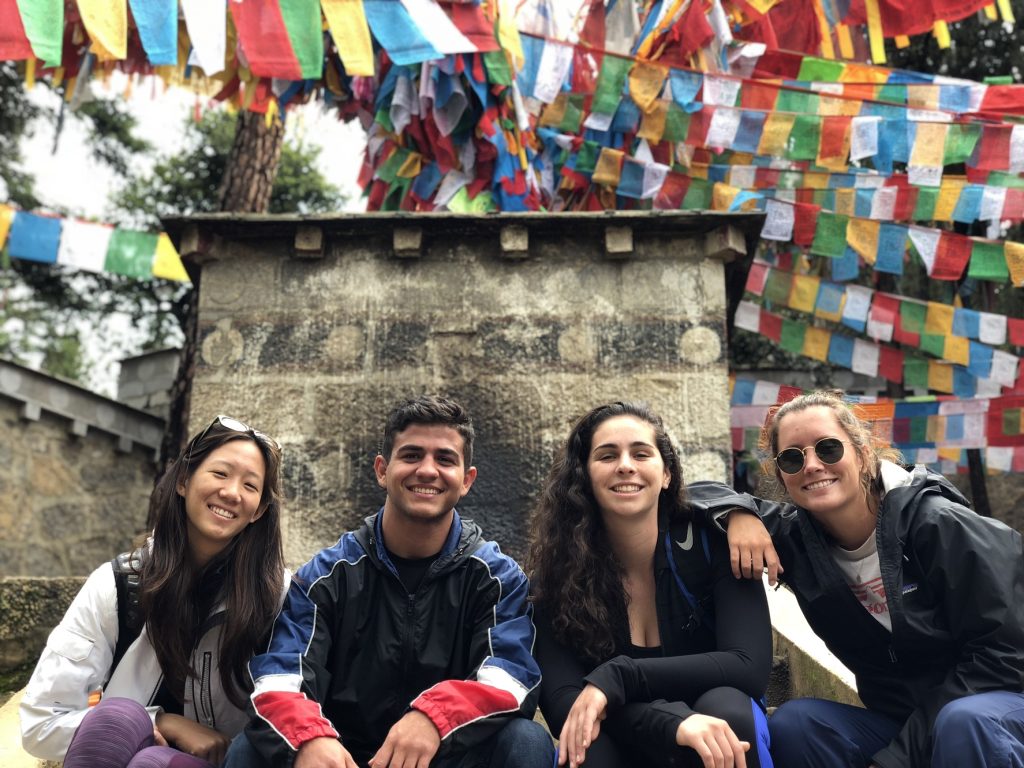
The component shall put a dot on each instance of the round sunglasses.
(235, 426)
(829, 450)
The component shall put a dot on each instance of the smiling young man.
(408, 643)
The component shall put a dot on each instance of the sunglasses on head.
(233, 425)
(829, 450)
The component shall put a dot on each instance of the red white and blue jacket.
(352, 651)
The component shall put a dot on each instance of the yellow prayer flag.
(936, 429)
(923, 96)
(166, 262)
(950, 454)
(106, 21)
(877, 42)
(722, 196)
(411, 167)
(938, 319)
(827, 50)
(945, 203)
(804, 294)
(929, 145)
(6, 217)
(816, 180)
(1006, 10)
(646, 80)
(775, 134)
(816, 341)
(940, 376)
(652, 127)
(845, 41)
(833, 105)
(508, 38)
(347, 21)
(957, 349)
(846, 203)
(990, 12)
(902, 41)
(862, 236)
(609, 167)
(864, 73)
(554, 112)
(1015, 262)
(941, 32)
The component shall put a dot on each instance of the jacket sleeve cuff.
(619, 680)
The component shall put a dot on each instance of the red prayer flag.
(796, 27)
(902, 336)
(670, 197)
(1013, 204)
(776, 63)
(1015, 331)
(593, 32)
(787, 393)
(699, 124)
(756, 278)
(771, 326)
(994, 148)
(586, 66)
(757, 95)
(906, 201)
(264, 39)
(14, 44)
(691, 30)
(890, 363)
(471, 22)
(805, 221)
(951, 256)
(1002, 100)
(834, 129)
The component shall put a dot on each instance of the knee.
(120, 710)
(791, 720)
(527, 738)
(958, 717)
(729, 704)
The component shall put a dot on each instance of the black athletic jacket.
(724, 641)
(954, 583)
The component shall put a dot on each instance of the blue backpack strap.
(697, 614)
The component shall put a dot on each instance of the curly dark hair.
(175, 595)
(573, 571)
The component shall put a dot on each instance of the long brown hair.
(172, 595)
(573, 571)
(871, 450)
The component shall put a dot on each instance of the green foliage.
(188, 181)
(16, 113)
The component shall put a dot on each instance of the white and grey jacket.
(77, 660)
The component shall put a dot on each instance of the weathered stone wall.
(67, 502)
(316, 351)
(29, 609)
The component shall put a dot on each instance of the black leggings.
(618, 745)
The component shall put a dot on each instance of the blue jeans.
(985, 730)
(521, 743)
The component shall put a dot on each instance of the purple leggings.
(118, 733)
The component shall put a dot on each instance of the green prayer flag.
(924, 208)
(988, 262)
(912, 316)
(897, 94)
(44, 27)
(777, 287)
(496, 64)
(610, 83)
(793, 336)
(677, 124)
(919, 428)
(573, 117)
(820, 70)
(1011, 421)
(804, 138)
(1003, 179)
(800, 102)
(960, 141)
(933, 344)
(306, 34)
(830, 235)
(388, 170)
(586, 158)
(698, 195)
(131, 253)
(383, 119)
(915, 372)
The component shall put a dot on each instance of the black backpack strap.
(127, 570)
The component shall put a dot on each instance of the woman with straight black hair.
(652, 653)
(204, 590)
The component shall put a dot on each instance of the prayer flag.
(34, 238)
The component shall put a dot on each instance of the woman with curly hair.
(652, 653)
(919, 596)
(209, 581)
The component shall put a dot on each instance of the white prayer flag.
(865, 357)
(434, 24)
(992, 329)
(1004, 368)
(207, 22)
(864, 137)
(858, 303)
(765, 393)
(84, 245)
(778, 223)
(725, 122)
(993, 199)
(926, 241)
(748, 316)
(552, 71)
(721, 91)
(883, 204)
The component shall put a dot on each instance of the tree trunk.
(246, 186)
(252, 164)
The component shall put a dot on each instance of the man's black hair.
(429, 409)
